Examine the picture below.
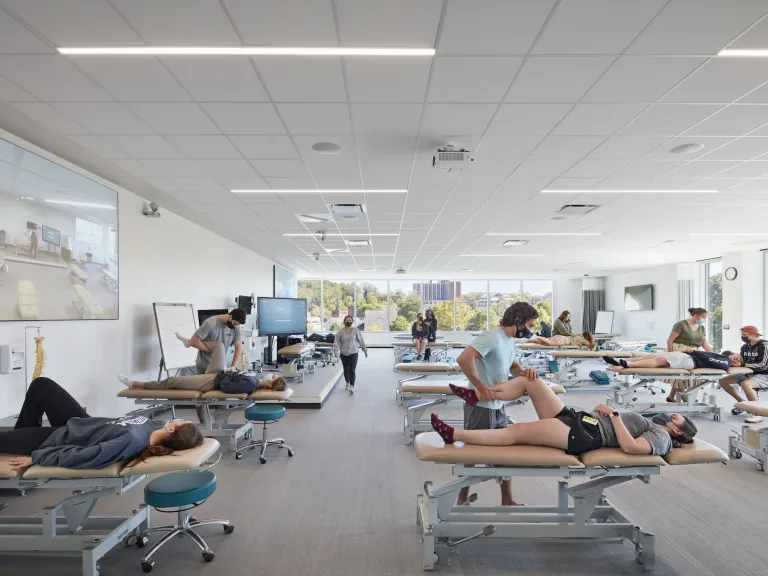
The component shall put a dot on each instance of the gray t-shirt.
(214, 330)
(637, 426)
(498, 354)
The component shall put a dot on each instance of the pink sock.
(445, 431)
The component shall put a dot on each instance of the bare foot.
(508, 502)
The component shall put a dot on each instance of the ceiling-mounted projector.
(449, 161)
(401, 270)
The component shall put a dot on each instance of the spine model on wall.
(245, 361)
(39, 357)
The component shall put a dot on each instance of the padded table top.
(597, 354)
(441, 387)
(755, 408)
(196, 394)
(427, 367)
(297, 349)
(542, 347)
(442, 344)
(431, 448)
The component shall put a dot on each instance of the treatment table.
(218, 404)
(567, 362)
(591, 517)
(75, 531)
(300, 355)
(753, 441)
(428, 367)
(440, 349)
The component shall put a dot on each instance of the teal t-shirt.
(498, 354)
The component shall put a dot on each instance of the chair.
(180, 492)
(266, 414)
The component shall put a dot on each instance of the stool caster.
(262, 460)
(141, 541)
(208, 556)
(147, 567)
(229, 528)
(290, 453)
(238, 456)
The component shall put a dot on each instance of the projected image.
(58, 241)
(281, 316)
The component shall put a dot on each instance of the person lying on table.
(585, 340)
(682, 360)
(205, 382)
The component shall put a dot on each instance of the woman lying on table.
(206, 382)
(568, 429)
(682, 360)
(76, 440)
(584, 340)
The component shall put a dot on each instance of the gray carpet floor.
(345, 506)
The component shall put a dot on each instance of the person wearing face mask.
(563, 324)
(431, 323)
(349, 341)
(753, 355)
(686, 336)
(569, 429)
(419, 332)
(224, 329)
(489, 360)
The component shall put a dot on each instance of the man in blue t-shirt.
(488, 360)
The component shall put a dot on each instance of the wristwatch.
(614, 414)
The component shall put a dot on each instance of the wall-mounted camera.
(151, 210)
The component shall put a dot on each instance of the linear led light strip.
(335, 234)
(728, 234)
(240, 51)
(551, 191)
(315, 191)
(82, 204)
(744, 53)
(504, 255)
(544, 234)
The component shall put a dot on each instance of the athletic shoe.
(351, 390)
(737, 411)
(754, 420)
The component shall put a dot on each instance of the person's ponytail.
(184, 437)
(151, 451)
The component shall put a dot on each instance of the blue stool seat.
(264, 412)
(179, 489)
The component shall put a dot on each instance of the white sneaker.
(754, 420)
(346, 387)
(351, 390)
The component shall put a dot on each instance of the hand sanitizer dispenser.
(11, 358)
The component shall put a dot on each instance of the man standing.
(488, 360)
(224, 328)
(754, 355)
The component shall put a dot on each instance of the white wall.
(568, 297)
(166, 259)
(654, 324)
(742, 297)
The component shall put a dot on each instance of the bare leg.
(540, 340)
(546, 402)
(650, 361)
(218, 357)
(747, 386)
(727, 385)
(548, 432)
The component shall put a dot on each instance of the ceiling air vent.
(401, 270)
(576, 209)
(314, 218)
(345, 209)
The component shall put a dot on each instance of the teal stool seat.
(264, 412)
(180, 489)
(180, 492)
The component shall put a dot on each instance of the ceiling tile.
(135, 167)
(164, 184)
(303, 79)
(226, 168)
(132, 80)
(15, 39)
(387, 79)
(566, 147)
(702, 168)
(668, 119)
(450, 119)
(710, 144)
(741, 149)
(75, 22)
(103, 117)
(502, 147)
(734, 120)
(595, 168)
(241, 118)
(585, 119)
(316, 118)
(721, 80)
(527, 119)
(385, 118)
(595, 26)
(400, 23)
(179, 22)
(50, 118)
(345, 183)
(295, 23)
(472, 79)
(337, 170)
(698, 27)
(198, 184)
(492, 26)
(641, 78)
(216, 78)
(542, 168)
(290, 183)
(144, 146)
(9, 92)
(205, 146)
(99, 146)
(171, 168)
(51, 78)
(174, 118)
(243, 183)
(265, 146)
(751, 169)
(280, 168)
(557, 79)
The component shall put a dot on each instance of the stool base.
(264, 443)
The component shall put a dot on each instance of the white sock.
(127, 382)
(183, 339)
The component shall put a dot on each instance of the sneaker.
(754, 420)
(737, 411)
(351, 390)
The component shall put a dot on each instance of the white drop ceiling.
(575, 94)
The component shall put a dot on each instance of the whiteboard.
(604, 322)
(172, 318)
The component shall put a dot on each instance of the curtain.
(684, 297)
(594, 301)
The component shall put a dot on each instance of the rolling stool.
(266, 414)
(180, 492)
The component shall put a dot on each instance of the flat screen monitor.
(203, 315)
(31, 226)
(281, 316)
(638, 298)
(51, 235)
(246, 303)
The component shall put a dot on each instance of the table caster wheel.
(147, 567)
(238, 456)
(262, 460)
(208, 556)
(435, 559)
(716, 417)
(229, 528)
(737, 454)
(141, 541)
(760, 467)
(290, 453)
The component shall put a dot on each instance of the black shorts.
(584, 434)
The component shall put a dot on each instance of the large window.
(405, 303)
(438, 295)
(713, 302)
(311, 290)
(338, 301)
(502, 294)
(371, 303)
(538, 293)
(472, 305)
